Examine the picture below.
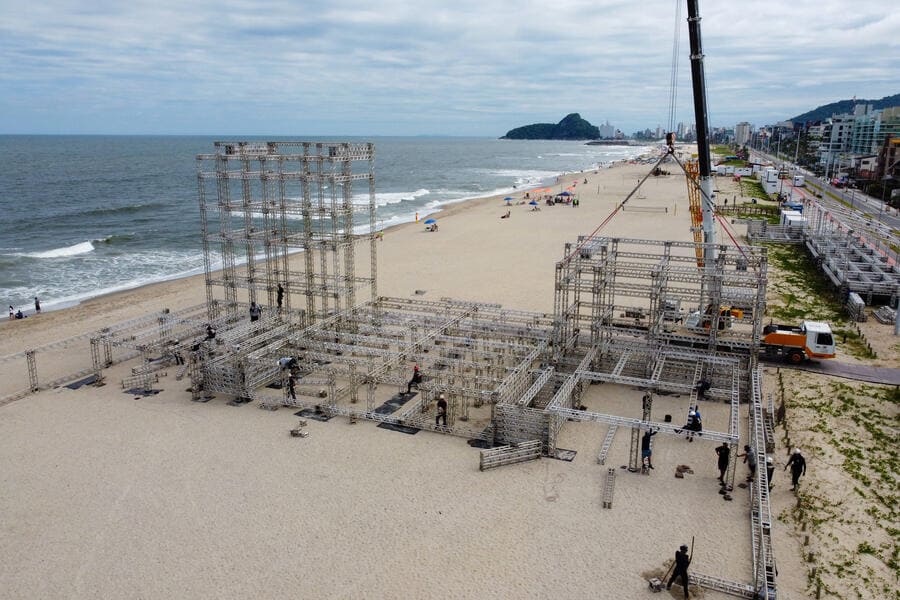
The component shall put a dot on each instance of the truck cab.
(812, 339)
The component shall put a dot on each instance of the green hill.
(844, 106)
(572, 127)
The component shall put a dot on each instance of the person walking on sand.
(12, 313)
(798, 467)
(749, 457)
(441, 411)
(682, 561)
(255, 311)
(37, 306)
(724, 454)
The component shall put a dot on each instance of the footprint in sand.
(551, 485)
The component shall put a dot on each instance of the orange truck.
(811, 339)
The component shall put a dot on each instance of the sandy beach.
(108, 495)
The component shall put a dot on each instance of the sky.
(387, 67)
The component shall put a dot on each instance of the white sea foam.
(74, 250)
(385, 198)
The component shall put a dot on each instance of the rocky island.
(572, 127)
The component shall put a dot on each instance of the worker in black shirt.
(682, 560)
(441, 411)
(798, 467)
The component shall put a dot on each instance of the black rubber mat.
(400, 428)
(86, 381)
(393, 404)
(310, 413)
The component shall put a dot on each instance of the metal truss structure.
(856, 253)
(639, 313)
(283, 218)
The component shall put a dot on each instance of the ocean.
(88, 215)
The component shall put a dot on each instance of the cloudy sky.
(386, 67)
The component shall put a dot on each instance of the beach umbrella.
(508, 198)
(533, 202)
(565, 194)
(430, 221)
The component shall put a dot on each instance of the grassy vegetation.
(864, 499)
(752, 188)
(722, 150)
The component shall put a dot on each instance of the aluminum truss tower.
(263, 203)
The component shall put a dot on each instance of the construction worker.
(770, 470)
(724, 454)
(647, 447)
(415, 381)
(441, 411)
(798, 467)
(749, 457)
(682, 560)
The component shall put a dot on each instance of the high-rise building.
(607, 131)
(742, 133)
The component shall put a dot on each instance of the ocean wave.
(385, 198)
(120, 210)
(73, 250)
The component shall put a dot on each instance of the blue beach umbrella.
(509, 198)
(430, 221)
(533, 202)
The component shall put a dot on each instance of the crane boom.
(706, 197)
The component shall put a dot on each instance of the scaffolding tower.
(281, 221)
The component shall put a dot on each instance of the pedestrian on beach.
(12, 313)
(770, 470)
(682, 561)
(37, 305)
(279, 296)
(647, 447)
(415, 381)
(749, 457)
(798, 467)
(724, 454)
(441, 411)
(255, 311)
(291, 390)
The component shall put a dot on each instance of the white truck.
(799, 181)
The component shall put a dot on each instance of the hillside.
(572, 127)
(844, 106)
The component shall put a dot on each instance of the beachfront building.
(846, 139)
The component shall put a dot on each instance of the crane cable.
(673, 76)
(615, 211)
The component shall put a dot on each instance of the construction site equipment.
(492, 458)
(811, 339)
(609, 487)
(607, 443)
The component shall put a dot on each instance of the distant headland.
(572, 127)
